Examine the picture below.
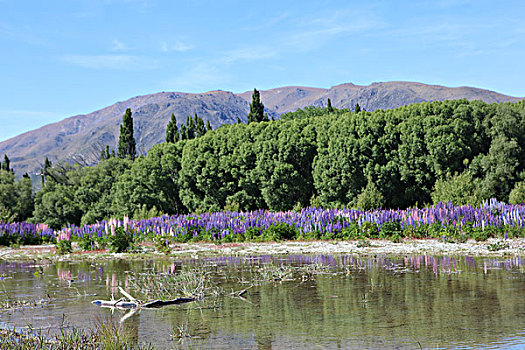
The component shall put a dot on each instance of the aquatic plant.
(187, 282)
(105, 334)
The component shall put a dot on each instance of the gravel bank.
(490, 248)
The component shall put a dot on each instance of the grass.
(193, 282)
(105, 334)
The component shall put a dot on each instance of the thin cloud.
(177, 46)
(117, 45)
(112, 62)
(22, 35)
(248, 54)
(311, 34)
(269, 23)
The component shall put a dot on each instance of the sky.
(63, 58)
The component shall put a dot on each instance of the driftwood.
(130, 302)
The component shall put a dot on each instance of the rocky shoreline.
(490, 248)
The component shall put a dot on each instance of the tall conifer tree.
(126, 143)
(329, 106)
(256, 109)
(200, 128)
(7, 162)
(172, 131)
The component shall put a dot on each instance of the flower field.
(444, 221)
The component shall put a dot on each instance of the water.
(331, 302)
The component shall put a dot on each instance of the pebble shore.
(490, 248)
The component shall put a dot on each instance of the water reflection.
(347, 302)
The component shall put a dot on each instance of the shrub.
(460, 189)
(63, 246)
(370, 197)
(252, 233)
(120, 241)
(162, 244)
(389, 229)
(86, 243)
(280, 231)
(517, 195)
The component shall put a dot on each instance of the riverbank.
(491, 248)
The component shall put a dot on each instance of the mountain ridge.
(80, 138)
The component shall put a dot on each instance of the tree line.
(419, 154)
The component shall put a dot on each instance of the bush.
(86, 243)
(370, 197)
(252, 233)
(280, 231)
(460, 189)
(162, 244)
(390, 229)
(121, 241)
(63, 247)
(517, 195)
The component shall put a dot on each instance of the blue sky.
(62, 58)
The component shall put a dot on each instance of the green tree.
(151, 182)
(501, 167)
(172, 131)
(126, 142)
(208, 126)
(329, 107)
(93, 192)
(25, 199)
(460, 189)
(183, 132)
(57, 206)
(256, 109)
(44, 171)
(517, 195)
(8, 196)
(6, 163)
(200, 128)
(357, 108)
(370, 197)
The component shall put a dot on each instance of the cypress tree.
(6, 164)
(208, 126)
(256, 109)
(45, 171)
(183, 132)
(190, 128)
(200, 128)
(172, 131)
(108, 155)
(357, 108)
(126, 142)
(329, 107)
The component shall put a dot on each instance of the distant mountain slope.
(82, 137)
(386, 95)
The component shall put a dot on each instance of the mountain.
(81, 138)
